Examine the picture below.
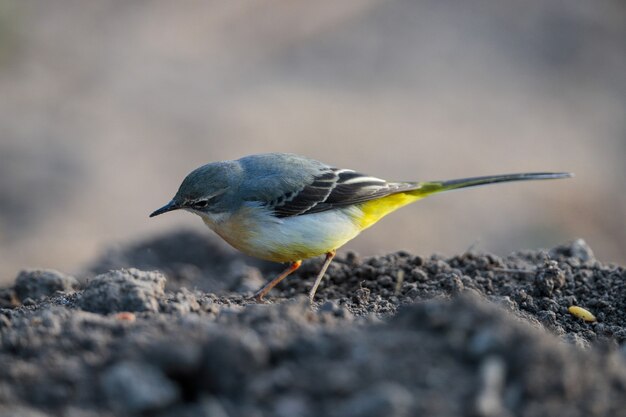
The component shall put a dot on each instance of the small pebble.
(36, 284)
(125, 316)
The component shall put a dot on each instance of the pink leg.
(268, 287)
(329, 258)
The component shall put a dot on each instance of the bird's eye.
(201, 203)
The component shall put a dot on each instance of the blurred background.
(105, 107)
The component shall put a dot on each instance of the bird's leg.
(329, 258)
(268, 287)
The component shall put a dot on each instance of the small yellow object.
(125, 316)
(581, 313)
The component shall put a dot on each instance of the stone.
(41, 283)
(135, 387)
(123, 290)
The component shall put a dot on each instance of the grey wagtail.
(286, 208)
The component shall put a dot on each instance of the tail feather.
(374, 209)
(432, 187)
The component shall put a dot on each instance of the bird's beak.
(172, 205)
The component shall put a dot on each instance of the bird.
(286, 208)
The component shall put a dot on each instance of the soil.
(164, 328)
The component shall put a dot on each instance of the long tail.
(375, 209)
(432, 187)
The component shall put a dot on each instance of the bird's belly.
(288, 239)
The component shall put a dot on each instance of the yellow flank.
(375, 210)
(256, 233)
(284, 254)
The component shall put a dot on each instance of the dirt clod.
(123, 290)
(132, 387)
(40, 283)
(468, 335)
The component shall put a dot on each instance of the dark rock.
(19, 411)
(8, 298)
(332, 307)
(361, 295)
(123, 290)
(40, 283)
(452, 283)
(385, 281)
(230, 359)
(133, 387)
(418, 274)
(549, 278)
(383, 400)
(28, 302)
(182, 302)
(175, 359)
(292, 406)
(209, 407)
(352, 258)
(577, 249)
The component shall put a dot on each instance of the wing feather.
(334, 188)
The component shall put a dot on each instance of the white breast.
(256, 232)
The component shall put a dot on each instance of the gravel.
(395, 335)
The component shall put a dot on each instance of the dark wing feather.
(301, 201)
(335, 188)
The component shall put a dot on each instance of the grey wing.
(334, 188)
(287, 183)
(307, 198)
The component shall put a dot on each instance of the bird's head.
(203, 191)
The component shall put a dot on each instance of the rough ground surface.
(398, 335)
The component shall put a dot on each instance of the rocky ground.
(164, 328)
